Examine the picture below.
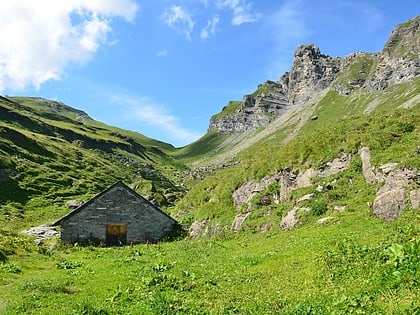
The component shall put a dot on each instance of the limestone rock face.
(313, 72)
(256, 110)
(400, 59)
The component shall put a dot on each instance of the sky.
(164, 67)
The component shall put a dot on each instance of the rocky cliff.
(254, 111)
(313, 72)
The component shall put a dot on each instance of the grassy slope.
(350, 266)
(53, 153)
(391, 132)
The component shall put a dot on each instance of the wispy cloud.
(145, 111)
(241, 9)
(162, 53)
(179, 19)
(288, 22)
(41, 38)
(286, 28)
(210, 28)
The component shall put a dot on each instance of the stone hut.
(117, 216)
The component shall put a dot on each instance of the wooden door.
(116, 234)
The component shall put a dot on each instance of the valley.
(302, 198)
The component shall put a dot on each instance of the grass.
(349, 266)
(229, 109)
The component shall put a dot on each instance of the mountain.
(258, 158)
(313, 72)
(332, 133)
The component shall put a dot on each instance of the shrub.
(319, 207)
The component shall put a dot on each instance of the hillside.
(331, 109)
(51, 153)
(302, 198)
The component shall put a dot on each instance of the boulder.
(239, 220)
(415, 199)
(196, 228)
(73, 204)
(291, 219)
(390, 204)
(391, 198)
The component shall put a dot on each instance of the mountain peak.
(313, 72)
(310, 51)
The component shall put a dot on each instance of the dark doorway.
(116, 234)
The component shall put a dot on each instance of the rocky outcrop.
(399, 61)
(286, 180)
(256, 110)
(391, 198)
(313, 72)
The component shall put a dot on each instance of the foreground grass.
(357, 264)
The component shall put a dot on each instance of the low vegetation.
(355, 265)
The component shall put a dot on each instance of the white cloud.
(210, 28)
(41, 38)
(241, 9)
(179, 19)
(144, 110)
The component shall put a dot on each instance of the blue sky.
(164, 67)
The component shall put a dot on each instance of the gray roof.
(118, 183)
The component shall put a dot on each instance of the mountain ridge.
(312, 72)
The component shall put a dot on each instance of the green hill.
(51, 153)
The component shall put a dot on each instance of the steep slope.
(336, 109)
(311, 75)
(50, 153)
